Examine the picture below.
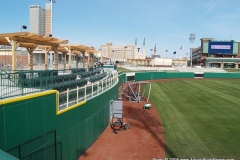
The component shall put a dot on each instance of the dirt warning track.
(143, 141)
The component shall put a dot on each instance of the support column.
(14, 56)
(64, 60)
(83, 60)
(56, 61)
(148, 63)
(46, 58)
(30, 51)
(88, 59)
(31, 61)
(54, 48)
(70, 59)
(236, 65)
(76, 60)
(222, 64)
(92, 60)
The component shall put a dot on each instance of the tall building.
(117, 53)
(37, 20)
(48, 22)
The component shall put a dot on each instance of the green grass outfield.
(201, 118)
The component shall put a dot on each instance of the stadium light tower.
(191, 39)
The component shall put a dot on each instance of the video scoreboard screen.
(220, 47)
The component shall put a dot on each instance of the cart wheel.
(115, 131)
(111, 125)
(125, 126)
(129, 126)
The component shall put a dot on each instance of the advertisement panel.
(220, 47)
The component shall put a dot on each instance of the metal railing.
(42, 147)
(20, 83)
(78, 95)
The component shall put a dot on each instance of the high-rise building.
(37, 20)
(48, 19)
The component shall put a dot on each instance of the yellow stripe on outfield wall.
(71, 107)
(16, 99)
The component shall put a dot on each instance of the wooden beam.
(14, 57)
(55, 58)
(47, 50)
(35, 41)
(30, 51)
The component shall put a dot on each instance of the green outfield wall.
(140, 76)
(221, 75)
(27, 117)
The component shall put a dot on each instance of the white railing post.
(111, 81)
(102, 86)
(85, 97)
(58, 100)
(92, 89)
(97, 87)
(77, 94)
(67, 96)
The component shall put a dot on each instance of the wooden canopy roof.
(78, 48)
(27, 39)
(31, 41)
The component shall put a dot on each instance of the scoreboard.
(216, 47)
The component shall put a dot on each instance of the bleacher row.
(97, 77)
(49, 79)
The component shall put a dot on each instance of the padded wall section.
(162, 75)
(2, 135)
(76, 129)
(221, 75)
(26, 119)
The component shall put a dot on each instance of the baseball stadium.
(69, 113)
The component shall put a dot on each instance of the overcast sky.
(167, 23)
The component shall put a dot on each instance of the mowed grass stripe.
(230, 86)
(199, 120)
(170, 112)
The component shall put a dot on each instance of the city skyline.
(166, 23)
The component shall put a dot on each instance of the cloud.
(209, 6)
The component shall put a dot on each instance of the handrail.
(79, 95)
(19, 146)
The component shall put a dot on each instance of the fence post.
(67, 96)
(102, 86)
(85, 92)
(77, 94)
(41, 80)
(92, 89)
(97, 87)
